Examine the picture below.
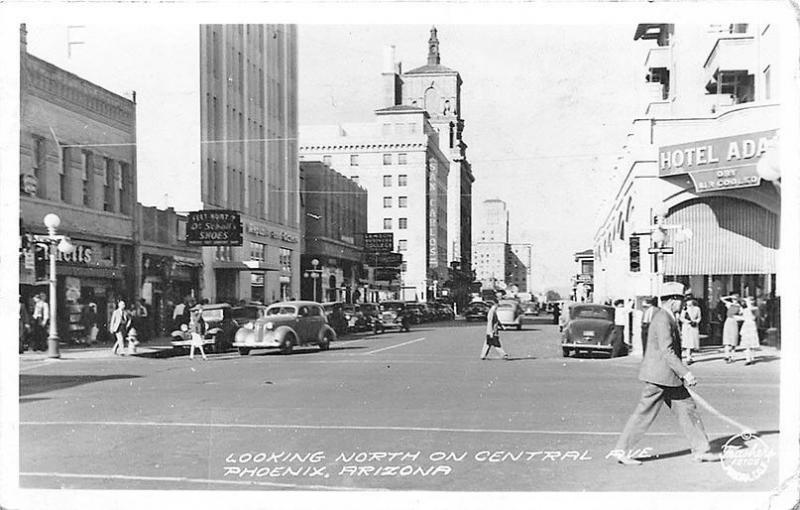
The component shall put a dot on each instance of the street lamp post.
(658, 234)
(55, 243)
(314, 274)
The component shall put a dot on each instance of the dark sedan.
(590, 328)
(476, 311)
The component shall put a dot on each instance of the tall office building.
(248, 114)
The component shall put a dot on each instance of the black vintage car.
(590, 328)
(393, 314)
(476, 311)
(220, 329)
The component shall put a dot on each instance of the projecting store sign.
(214, 228)
(719, 163)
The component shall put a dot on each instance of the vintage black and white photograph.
(282, 255)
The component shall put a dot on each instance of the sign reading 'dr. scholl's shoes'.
(719, 163)
(214, 228)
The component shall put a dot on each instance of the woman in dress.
(749, 332)
(690, 330)
(197, 328)
(730, 330)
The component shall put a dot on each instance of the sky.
(546, 109)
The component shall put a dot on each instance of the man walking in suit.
(665, 380)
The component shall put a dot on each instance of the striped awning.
(730, 236)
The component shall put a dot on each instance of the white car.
(509, 313)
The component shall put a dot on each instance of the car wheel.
(325, 343)
(244, 351)
(288, 344)
(565, 352)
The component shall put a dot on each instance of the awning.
(729, 236)
(246, 265)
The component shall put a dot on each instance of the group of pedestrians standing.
(747, 337)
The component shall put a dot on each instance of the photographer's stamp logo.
(746, 457)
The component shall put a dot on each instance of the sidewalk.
(98, 350)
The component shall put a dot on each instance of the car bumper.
(586, 347)
(188, 343)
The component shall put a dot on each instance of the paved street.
(408, 411)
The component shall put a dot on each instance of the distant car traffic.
(509, 313)
(590, 328)
(220, 329)
(285, 326)
(415, 313)
(476, 311)
(393, 314)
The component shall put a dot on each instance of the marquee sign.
(719, 163)
(380, 242)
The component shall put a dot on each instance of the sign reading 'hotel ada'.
(719, 163)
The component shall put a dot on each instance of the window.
(387, 202)
(62, 178)
(387, 181)
(86, 176)
(767, 83)
(39, 165)
(402, 245)
(327, 160)
(387, 159)
(354, 179)
(403, 267)
(258, 251)
(402, 180)
(402, 202)
(387, 223)
(402, 223)
(108, 178)
(124, 176)
(286, 259)
(354, 160)
(401, 159)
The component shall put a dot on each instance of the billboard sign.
(214, 228)
(385, 259)
(379, 242)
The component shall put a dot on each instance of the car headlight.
(269, 325)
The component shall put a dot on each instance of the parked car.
(220, 329)
(509, 313)
(285, 326)
(414, 313)
(355, 318)
(393, 314)
(369, 311)
(336, 316)
(477, 310)
(590, 328)
(442, 311)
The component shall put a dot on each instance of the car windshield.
(281, 310)
(592, 312)
(393, 307)
(507, 304)
(213, 315)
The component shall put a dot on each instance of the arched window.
(432, 101)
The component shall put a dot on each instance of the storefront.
(166, 281)
(733, 217)
(96, 272)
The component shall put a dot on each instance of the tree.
(553, 296)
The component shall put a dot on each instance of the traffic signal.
(40, 261)
(635, 254)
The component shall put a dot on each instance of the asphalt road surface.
(397, 411)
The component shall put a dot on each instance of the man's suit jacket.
(119, 318)
(662, 364)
